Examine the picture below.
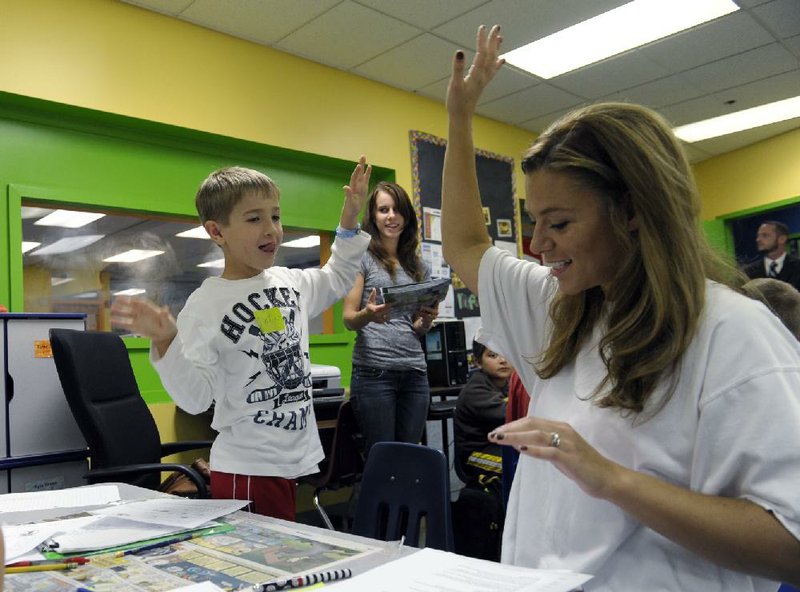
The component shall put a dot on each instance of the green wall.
(75, 156)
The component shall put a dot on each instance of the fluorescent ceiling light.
(197, 232)
(133, 256)
(86, 295)
(69, 244)
(130, 292)
(631, 25)
(305, 242)
(219, 263)
(29, 212)
(58, 281)
(741, 120)
(68, 219)
(29, 246)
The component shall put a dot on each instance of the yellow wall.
(753, 176)
(110, 56)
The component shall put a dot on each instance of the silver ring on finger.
(555, 439)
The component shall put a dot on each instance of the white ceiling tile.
(542, 122)
(695, 154)
(597, 80)
(726, 36)
(401, 66)
(255, 20)
(437, 90)
(665, 91)
(170, 7)
(505, 82)
(424, 14)
(523, 21)
(781, 16)
(529, 103)
(335, 39)
(767, 90)
(694, 110)
(742, 68)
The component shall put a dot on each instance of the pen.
(306, 580)
(78, 560)
(48, 567)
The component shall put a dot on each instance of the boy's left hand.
(355, 193)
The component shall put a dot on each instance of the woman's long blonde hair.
(628, 155)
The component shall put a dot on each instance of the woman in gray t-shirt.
(389, 384)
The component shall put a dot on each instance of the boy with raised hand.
(241, 341)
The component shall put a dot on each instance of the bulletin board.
(500, 208)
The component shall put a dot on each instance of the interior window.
(78, 260)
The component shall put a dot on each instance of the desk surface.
(257, 550)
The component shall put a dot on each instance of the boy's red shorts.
(270, 496)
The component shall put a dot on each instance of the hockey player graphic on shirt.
(283, 361)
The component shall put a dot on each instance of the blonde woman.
(660, 448)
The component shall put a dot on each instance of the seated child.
(241, 340)
(781, 298)
(481, 408)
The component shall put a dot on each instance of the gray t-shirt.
(394, 344)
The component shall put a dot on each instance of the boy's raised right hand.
(145, 318)
(355, 194)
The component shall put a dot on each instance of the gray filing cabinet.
(41, 446)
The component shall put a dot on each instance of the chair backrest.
(343, 464)
(405, 491)
(101, 390)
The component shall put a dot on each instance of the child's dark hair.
(409, 239)
(223, 189)
(477, 350)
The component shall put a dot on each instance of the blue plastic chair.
(403, 486)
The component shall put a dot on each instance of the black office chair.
(405, 492)
(101, 390)
(343, 464)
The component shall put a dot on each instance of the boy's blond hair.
(223, 189)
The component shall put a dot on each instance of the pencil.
(49, 567)
(78, 560)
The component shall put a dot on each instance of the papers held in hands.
(409, 298)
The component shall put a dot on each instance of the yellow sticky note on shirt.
(270, 320)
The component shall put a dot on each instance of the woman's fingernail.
(523, 448)
(497, 436)
(459, 55)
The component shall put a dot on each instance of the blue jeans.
(389, 405)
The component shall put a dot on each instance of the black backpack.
(478, 516)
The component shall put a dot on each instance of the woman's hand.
(355, 193)
(465, 90)
(558, 443)
(374, 312)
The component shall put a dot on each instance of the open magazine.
(409, 298)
